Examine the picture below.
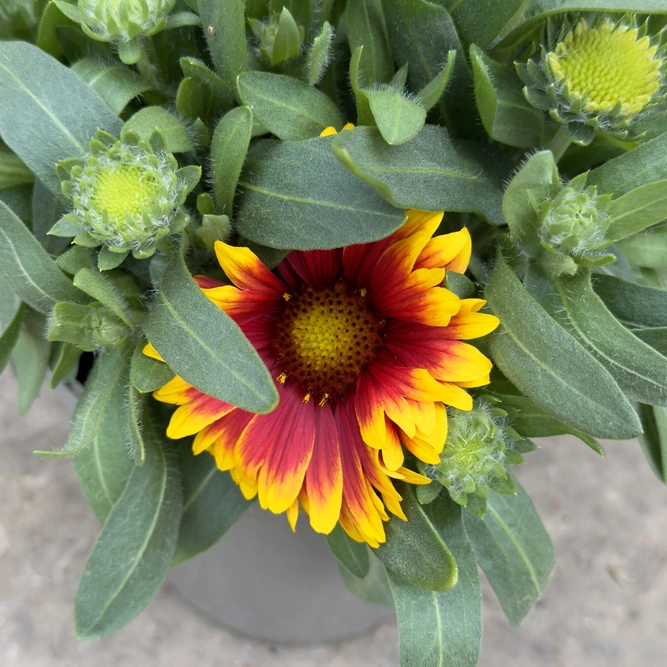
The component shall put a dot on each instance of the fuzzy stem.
(147, 70)
(559, 143)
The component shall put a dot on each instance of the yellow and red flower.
(366, 348)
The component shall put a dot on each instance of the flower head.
(366, 348)
(479, 445)
(126, 195)
(573, 226)
(601, 75)
(123, 20)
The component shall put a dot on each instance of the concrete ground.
(605, 607)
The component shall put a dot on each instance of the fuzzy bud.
(126, 195)
(479, 445)
(601, 75)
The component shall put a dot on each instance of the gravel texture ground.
(605, 607)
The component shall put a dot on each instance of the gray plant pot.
(267, 582)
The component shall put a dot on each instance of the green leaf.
(634, 305)
(640, 166)
(47, 209)
(229, 147)
(146, 374)
(10, 336)
(64, 363)
(109, 371)
(19, 201)
(506, 114)
(103, 468)
(130, 559)
(320, 54)
(431, 172)
(415, 549)
(204, 346)
(530, 422)
(223, 22)
(30, 359)
(398, 118)
(442, 628)
(479, 22)
(293, 191)
(647, 249)
(536, 181)
(48, 113)
(136, 405)
(536, 11)
(101, 289)
(176, 136)
(635, 211)
(222, 97)
(12, 171)
(550, 366)
(27, 267)
(656, 338)
(212, 504)
(75, 259)
(431, 93)
(353, 555)
(366, 26)
(193, 99)
(115, 84)
(514, 551)
(654, 439)
(639, 370)
(287, 107)
(374, 587)
(287, 42)
(52, 18)
(421, 34)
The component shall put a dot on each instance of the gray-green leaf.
(204, 346)
(48, 113)
(28, 269)
(131, 558)
(415, 549)
(514, 550)
(296, 195)
(550, 366)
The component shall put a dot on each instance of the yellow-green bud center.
(608, 65)
(125, 189)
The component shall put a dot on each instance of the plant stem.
(147, 70)
(559, 143)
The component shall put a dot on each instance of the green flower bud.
(604, 75)
(90, 327)
(280, 39)
(479, 445)
(573, 227)
(126, 195)
(124, 20)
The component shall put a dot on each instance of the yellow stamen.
(287, 296)
(306, 398)
(281, 378)
(323, 400)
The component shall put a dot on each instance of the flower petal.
(420, 346)
(468, 323)
(151, 352)
(324, 478)
(246, 270)
(276, 449)
(193, 416)
(358, 511)
(316, 268)
(449, 251)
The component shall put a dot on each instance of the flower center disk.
(124, 189)
(324, 338)
(609, 65)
